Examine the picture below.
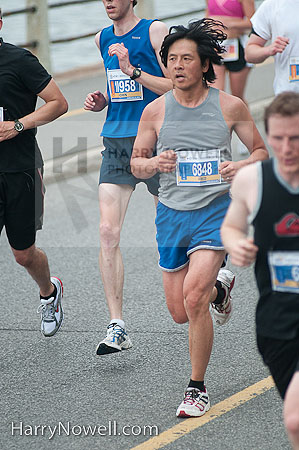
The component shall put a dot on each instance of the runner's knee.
(196, 300)
(291, 408)
(291, 420)
(109, 234)
(23, 257)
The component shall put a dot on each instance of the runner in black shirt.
(22, 80)
(267, 194)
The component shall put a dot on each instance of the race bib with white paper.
(284, 270)
(231, 50)
(294, 69)
(122, 88)
(198, 167)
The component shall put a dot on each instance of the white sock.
(119, 322)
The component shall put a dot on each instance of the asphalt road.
(60, 381)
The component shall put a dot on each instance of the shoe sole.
(62, 313)
(105, 349)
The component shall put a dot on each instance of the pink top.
(231, 8)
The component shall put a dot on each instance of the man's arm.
(142, 163)
(234, 229)
(247, 131)
(96, 101)
(256, 52)
(239, 119)
(159, 85)
(55, 105)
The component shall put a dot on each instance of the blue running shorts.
(180, 233)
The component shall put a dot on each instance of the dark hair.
(0, 13)
(207, 34)
(285, 104)
(134, 3)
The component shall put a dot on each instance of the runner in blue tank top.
(135, 77)
(192, 126)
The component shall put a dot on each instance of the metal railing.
(37, 24)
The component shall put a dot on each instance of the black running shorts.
(237, 66)
(21, 206)
(282, 358)
(115, 168)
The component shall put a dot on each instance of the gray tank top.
(199, 129)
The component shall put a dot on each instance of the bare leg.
(291, 411)
(113, 201)
(35, 262)
(238, 82)
(198, 292)
(173, 287)
(220, 77)
(189, 292)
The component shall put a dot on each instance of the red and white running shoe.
(195, 404)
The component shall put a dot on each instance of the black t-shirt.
(277, 230)
(22, 77)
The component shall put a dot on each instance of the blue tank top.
(127, 98)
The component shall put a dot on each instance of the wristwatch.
(136, 73)
(19, 127)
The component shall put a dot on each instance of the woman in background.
(235, 15)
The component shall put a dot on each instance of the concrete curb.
(89, 160)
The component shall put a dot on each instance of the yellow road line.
(186, 426)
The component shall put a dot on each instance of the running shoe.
(116, 340)
(195, 404)
(51, 310)
(222, 312)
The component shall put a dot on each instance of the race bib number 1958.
(122, 88)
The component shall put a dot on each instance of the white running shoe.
(116, 340)
(222, 312)
(195, 404)
(51, 310)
